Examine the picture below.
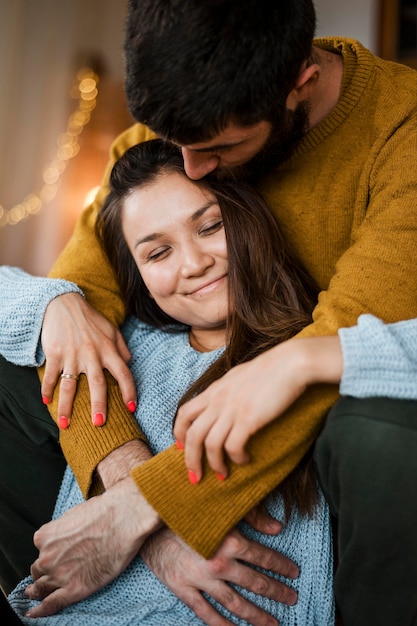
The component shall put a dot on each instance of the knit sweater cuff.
(24, 302)
(85, 445)
(203, 514)
(379, 359)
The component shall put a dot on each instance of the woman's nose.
(199, 164)
(195, 261)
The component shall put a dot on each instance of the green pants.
(366, 459)
(367, 465)
(31, 469)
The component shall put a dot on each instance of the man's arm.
(59, 580)
(84, 263)
(377, 274)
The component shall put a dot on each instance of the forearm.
(202, 514)
(119, 463)
(85, 445)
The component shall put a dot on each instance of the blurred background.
(62, 104)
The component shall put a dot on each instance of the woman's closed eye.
(211, 227)
(159, 253)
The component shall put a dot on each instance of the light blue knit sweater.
(163, 365)
(379, 360)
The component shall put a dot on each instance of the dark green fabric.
(7, 615)
(31, 469)
(366, 458)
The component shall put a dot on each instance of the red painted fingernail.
(179, 445)
(220, 476)
(63, 422)
(131, 406)
(45, 400)
(98, 419)
(192, 477)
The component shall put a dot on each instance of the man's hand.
(76, 338)
(89, 546)
(187, 574)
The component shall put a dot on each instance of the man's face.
(247, 152)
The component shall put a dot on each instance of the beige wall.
(42, 44)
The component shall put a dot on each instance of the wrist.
(321, 359)
(117, 465)
(125, 499)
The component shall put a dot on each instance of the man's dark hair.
(195, 66)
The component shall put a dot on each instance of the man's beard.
(285, 136)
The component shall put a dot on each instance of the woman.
(201, 300)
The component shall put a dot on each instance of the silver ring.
(70, 376)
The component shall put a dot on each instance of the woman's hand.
(77, 339)
(223, 417)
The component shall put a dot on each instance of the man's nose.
(199, 164)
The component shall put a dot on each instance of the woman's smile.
(209, 287)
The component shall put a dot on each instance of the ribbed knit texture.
(164, 365)
(346, 202)
(20, 333)
(379, 359)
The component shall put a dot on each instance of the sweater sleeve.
(23, 302)
(84, 263)
(379, 359)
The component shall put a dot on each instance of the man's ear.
(304, 86)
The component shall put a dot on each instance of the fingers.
(52, 604)
(76, 339)
(67, 391)
(260, 519)
(230, 600)
(120, 371)
(240, 548)
(97, 387)
(201, 428)
(40, 588)
(204, 434)
(203, 609)
(52, 372)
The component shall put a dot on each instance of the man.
(328, 133)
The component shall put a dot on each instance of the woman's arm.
(274, 380)
(369, 359)
(379, 359)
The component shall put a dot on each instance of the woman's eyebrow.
(150, 237)
(197, 214)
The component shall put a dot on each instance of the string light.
(85, 89)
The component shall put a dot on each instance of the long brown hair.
(271, 295)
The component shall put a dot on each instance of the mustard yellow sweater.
(347, 202)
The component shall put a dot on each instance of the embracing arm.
(377, 275)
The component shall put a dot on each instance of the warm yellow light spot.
(68, 147)
(90, 196)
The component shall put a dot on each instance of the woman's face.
(174, 230)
